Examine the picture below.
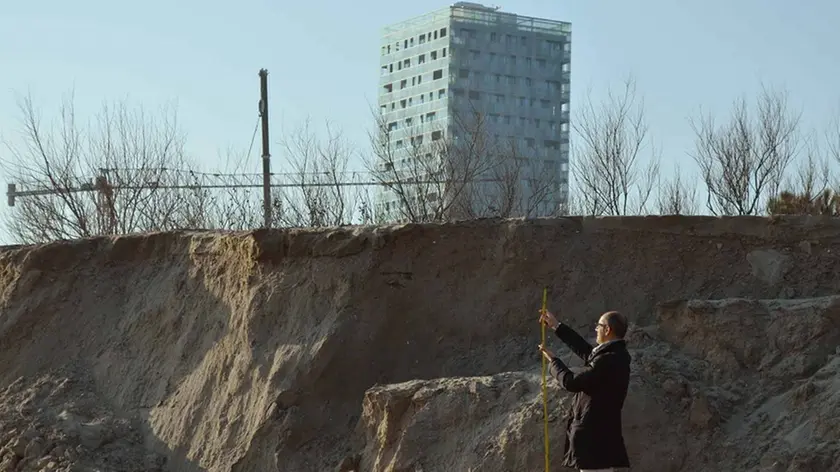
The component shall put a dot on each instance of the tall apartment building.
(469, 69)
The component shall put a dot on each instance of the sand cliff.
(412, 347)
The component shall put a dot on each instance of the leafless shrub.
(677, 196)
(742, 162)
(322, 195)
(463, 172)
(610, 177)
(426, 172)
(126, 157)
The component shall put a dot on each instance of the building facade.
(485, 90)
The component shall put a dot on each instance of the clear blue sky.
(323, 58)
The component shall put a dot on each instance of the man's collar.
(603, 346)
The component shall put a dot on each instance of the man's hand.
(548, 319)
(546, 353)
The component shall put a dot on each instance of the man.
(594, 440)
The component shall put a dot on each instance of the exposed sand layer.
(414, 348)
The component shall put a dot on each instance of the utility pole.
(266, 156)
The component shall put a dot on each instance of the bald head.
(617, 323)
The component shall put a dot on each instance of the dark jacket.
(594, 438)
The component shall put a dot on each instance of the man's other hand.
(548, 319)
(546, 353)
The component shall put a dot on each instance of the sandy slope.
(254, 351)
(718, 385)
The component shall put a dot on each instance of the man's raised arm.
(570, 338)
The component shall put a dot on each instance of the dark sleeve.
(590, 379)
(557, 369)
(576, 343)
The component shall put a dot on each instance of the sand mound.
(56, 422)
(259, 351)
(718, 385)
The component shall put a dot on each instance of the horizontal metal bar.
(391, 183)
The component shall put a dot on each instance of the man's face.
(602, 330)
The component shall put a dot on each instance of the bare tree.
(813, 174)
(572, 207)
(809, 189)
(742, 163)
(239, 206)
(516, 184)
(677, 196)
(610, 175)
(319, 167)
(427, 172)
(462, 171)
(126, 156)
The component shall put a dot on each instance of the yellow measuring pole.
(544, 382)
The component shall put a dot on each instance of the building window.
(438, 74)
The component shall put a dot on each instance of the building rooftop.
(469, 12)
